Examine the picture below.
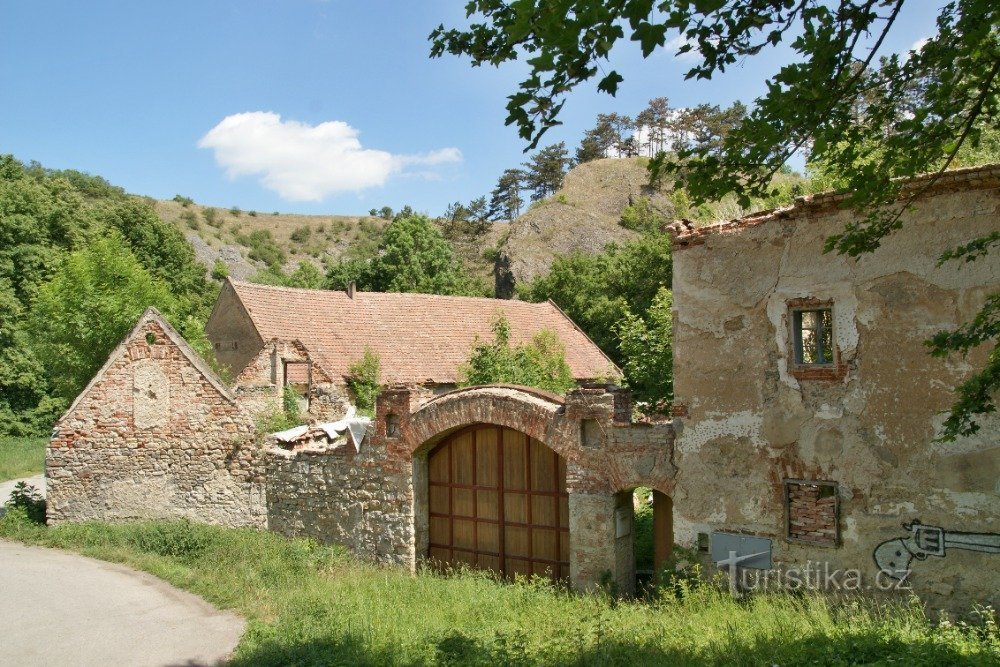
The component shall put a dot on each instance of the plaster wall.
(232, 332)
(745, 422)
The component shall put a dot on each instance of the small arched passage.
(497, 500)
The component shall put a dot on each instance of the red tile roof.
(418, 337)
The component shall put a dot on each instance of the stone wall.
(336, 494)
(155, 435)
(748, 421)
(374, 500)
(260, 385)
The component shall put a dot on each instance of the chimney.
(350, 289)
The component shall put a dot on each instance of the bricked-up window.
(812, 512)
(812, 336)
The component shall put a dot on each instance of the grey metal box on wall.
(750, 551)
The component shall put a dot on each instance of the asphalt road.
(58, 608)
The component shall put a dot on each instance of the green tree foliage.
(506, 200)
(870, 117)
(646, 345)
(364, 381)
(87, 307)
(56, 227)
(413, 256)
(639, 216)
(541, 363)
(598, 291)
(305, 275)
(545, 170)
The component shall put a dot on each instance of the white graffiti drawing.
(893, 557)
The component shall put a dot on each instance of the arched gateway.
(507, 478)
(498, 501)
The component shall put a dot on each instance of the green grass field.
(313, 605)
(21, 457)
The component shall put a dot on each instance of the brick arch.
(535, 413)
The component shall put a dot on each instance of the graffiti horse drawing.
(894, 556)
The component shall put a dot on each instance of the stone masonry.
(375, 500)
(155, 435)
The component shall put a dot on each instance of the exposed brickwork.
(259, 385)
(374, 501)
(154, 437)
(812, 512)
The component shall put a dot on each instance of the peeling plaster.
(738, 424)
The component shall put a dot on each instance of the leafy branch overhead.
(867, 116)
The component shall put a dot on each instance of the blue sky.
(256, 103)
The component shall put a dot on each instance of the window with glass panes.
(812, 332)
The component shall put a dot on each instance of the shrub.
(191, 220)
(639, 216)
(262, 247)
(211, 217)
(363, 381)
(183, 201)
(252, 214)
(302, 234)
(290, 405)
(29, 500)
(235, 211)
(219, 270)
(542, 363)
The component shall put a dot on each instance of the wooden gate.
(498, 501)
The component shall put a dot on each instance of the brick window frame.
(834, 371)
(812, 512)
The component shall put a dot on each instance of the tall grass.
(21, 457)
(309, 604)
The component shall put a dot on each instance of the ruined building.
(805, 418)
(807, 403)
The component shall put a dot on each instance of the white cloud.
(919, 44)
(677, 42)
(303, 162)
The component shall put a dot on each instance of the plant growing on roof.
(541, 363)
(363, 381)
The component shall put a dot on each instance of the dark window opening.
(392, 426)
(813, 336)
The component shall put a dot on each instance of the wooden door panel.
(497, 500)
(463, 502)
(487, 503)
(461, 460)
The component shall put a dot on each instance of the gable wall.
(153, 438)
(231, 331)
(747, 423)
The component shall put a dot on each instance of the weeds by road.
(310, 604)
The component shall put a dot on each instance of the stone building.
(270, 337)
(807, 403)
(510, 478)
(156, 434)
(806, 414)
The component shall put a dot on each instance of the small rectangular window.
(812, 332)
